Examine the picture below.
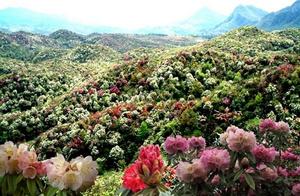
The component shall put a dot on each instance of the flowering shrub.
(243, 163)
(144, 176)
(22, 174)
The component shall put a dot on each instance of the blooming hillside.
(93, 101)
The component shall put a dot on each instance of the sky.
(134, 14)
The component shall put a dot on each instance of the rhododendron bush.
(21, 173)
(240, 163)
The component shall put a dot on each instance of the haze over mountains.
(203, 22)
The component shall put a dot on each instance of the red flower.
(114, 89)
(132, 180)
(150, 164)
(146, 171)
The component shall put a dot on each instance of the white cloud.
(135, 13)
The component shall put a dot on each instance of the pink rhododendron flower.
(261, 153)
(282, 172)
(296, 189)
(191, 172)
(287, 155)
(197, 143)
(295, 172)
(267, 173)
(215, 159)
(216, 180)
(267, 125)
(240, 140)
(176, 144)
(29, 172)
(281, 127)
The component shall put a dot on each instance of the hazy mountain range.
(203, 22)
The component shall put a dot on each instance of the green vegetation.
(78, 97)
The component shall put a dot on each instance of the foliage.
(106, 184)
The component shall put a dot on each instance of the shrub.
(241, 164)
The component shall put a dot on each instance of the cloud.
(135, 13)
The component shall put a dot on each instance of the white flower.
(72, 180)
(79, 173)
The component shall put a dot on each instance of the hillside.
(284, 18)
(242, 15)
(95, 101)
(36, 47)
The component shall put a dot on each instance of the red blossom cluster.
(146, 171)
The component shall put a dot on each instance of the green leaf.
(19, 179)
(4, 186)
(237, 175)
(250, 181)
(63, 193)
(234, 157)
(11, 179)
(123, 192)
(40, 185)
(251, 157)
(1, 179)
(31, 186)
(51, 191)
(162, 188)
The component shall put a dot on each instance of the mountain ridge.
(242, 15)
(286, 17)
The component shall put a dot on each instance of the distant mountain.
(284, 18)
(203, 19)
(242, 15)
(19, 19)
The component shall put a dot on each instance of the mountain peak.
(242, 15)
(284, 18)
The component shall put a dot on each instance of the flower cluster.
(215, 159)
(268, 125)
(266, 155)
(176, 144)
(146, 171)
(240, 166)
(238, 140)
(192, 172)
(15, 160)
(179, 144)
(78, 174)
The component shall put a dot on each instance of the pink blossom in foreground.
(267, 173)
(287, 155)
(267, 125)
(281, 127)
(197, 143)
(215, 159)
(296, 189)
(241, 140)
(224, 136)
(282, 172)
(191, 172)
(261, 153)
(176, 144)
(295, 172)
